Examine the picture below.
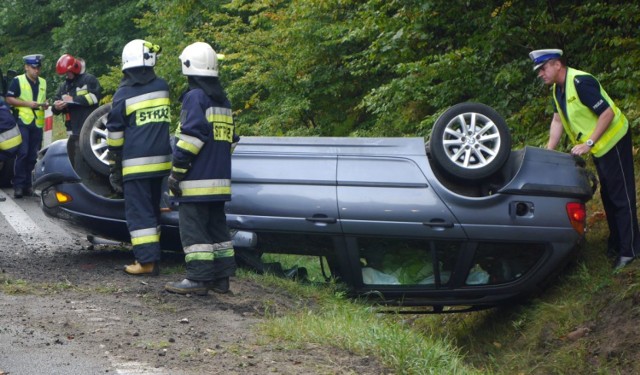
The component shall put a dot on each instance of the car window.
(498, 263)
(397, 261)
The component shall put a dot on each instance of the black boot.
(187, 286)
(18, 193)
(219, 285)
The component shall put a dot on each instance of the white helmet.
(199, 59)
(139, 52)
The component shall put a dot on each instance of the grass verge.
(358, 328)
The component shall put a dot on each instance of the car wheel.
(470, 141)
(93, 140)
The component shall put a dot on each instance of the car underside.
(461, 220)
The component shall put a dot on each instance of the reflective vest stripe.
(206, 191)
(191, 188)
(27, 114)
(146, 168)
(152, 99)
(198, 248)
(208, 252)
(115, 139)
(179, 170)
(207, 257)
(146, 164)
(225, 253)
(89, 97)
(189, 143)
(219, 114)
(145, 236)
(10, 139)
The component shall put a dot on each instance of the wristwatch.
(589, 142)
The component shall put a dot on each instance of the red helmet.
(67, 63)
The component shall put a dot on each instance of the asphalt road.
(25, 350)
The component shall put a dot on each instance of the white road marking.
(29, 231)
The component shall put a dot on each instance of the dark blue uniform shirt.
(588, 90)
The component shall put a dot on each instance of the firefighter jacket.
(10, 138)
(138, 129)
(28, 115)
(203, 150)
(86, 92)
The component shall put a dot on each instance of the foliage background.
(347, 67)
(389, 68)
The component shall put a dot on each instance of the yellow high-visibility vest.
(26, 114)
(580, 119)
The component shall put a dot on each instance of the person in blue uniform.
(596, 126)
(10, 137)
(140, 150)
(77, 97)
(27, 94)
(200, 179)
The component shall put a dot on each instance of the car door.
(293, 193)
(390, 196)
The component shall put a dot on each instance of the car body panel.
(359, 202)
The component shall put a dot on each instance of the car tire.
(93, 140)
(470, 141)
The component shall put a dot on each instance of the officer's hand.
(115, 179)
(174, 185)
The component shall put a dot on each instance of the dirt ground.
(124, 319)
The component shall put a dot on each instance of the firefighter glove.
(115, 179)
(115, 170)
(174, 184)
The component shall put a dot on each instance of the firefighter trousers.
(142, 211)
(209, 253)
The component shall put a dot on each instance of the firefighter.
(200, 178)
(77, 97)
(27, 94)
(139, 150)
(10, 137)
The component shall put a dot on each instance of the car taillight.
(63, 197)
(577, 215)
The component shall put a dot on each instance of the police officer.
(10, 137)
(200, 178)
(76, 98)
(595, 125)
(140, 152)
(27, 94)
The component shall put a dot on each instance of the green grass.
(332, 319)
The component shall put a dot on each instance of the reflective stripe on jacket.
(10, 137)
(204, 145)
(86, 92)
(27, 114)
(138, 128)
(581, 120)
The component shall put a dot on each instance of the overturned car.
(463, 220)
